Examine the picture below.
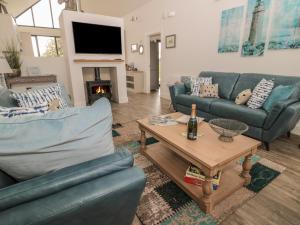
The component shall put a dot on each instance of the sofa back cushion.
(32, 146)
(226, 82)
(250, 80)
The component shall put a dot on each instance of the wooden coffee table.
(174, 153)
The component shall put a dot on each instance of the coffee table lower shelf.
(175, 167)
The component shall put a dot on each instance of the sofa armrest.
(276, 112)
(106, 200)
(62, 179)
(176, 89)
(284, 123)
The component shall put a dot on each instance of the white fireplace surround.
(76, 62)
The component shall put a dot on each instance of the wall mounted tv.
(97, 39)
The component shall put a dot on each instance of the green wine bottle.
(192, 127)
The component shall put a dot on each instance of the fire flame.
(99, 90)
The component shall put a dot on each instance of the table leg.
(143, 140)
(246, 169)
(207, 192)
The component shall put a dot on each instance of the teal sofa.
(104, 188)
(263, 126)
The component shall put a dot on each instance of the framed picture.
(134, 47)
(171, 41)
(141, 49)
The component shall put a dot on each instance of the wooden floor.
(278, 203)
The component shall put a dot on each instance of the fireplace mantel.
(98, 60)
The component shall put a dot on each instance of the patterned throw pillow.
(243, 97)
(18, 111)
(33, 98)
(196, 83)
(260, 94)
(209, 91)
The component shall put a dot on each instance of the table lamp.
(4, 68)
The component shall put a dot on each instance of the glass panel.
(59, 47)
(42, 14)
(34, 46)
(25, 19)
(56, 11)
(47, 46)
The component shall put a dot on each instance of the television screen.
(97, 39)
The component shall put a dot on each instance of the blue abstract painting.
(285, 30)
(256, 27)
(231, 24)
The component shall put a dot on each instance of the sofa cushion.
(228, 109)
(32, 146)
(280, 93)
(226, 82)
(203, 104)
(260, 94)
(5, 98)
(35, 97)
(250, 80)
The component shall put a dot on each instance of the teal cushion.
(35, 145)
(280, 93)
(6, 100)
(296, 94)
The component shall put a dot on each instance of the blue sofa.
(104, 190)
(262, 125)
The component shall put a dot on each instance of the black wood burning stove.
(99, 88)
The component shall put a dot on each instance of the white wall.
(48, 66)
(8, 31)
(197, 26)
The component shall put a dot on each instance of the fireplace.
(99, 88)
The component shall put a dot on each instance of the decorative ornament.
(3, 9)
(69, 4)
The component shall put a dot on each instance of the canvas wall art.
(231, 24)
(285, 30)
(256, 27)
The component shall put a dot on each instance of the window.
(44, 13)
(46, 46)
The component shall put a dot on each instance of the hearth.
(99, 88)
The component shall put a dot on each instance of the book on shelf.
(195, 176)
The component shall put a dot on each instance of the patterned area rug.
(163, 202)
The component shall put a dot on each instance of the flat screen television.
(97, 39)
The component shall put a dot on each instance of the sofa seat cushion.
(203, 104)
(228, 109)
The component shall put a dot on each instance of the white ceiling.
(117, 8)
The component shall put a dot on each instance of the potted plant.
(13, 57)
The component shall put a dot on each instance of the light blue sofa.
(100, 191)
(263, 126)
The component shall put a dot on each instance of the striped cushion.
(260, 94)
(196, 83)
(33, 98)
(18, 111)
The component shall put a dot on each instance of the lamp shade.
(4, 67)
